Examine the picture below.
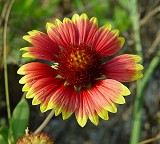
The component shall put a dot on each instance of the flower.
(79, 79)
(30, 138)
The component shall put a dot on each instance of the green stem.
(5, 59)
(150, 140)
(138, 106)
(136, 27)
(136, 126)
(45, 122)
(150, 70)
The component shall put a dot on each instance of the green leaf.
(3, 135)
(78, 4)
(121, 18)
(2, 140)
(19, 120)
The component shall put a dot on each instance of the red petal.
(107, 92)
(65, 34)
(81, 112)
(89, 108)
(35, 52)
(72, 32)
(86, 27)
(44, 48)
(124, 68)
(36, 67)
(66, 98)
(107, 42)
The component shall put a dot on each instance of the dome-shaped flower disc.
(78, 81)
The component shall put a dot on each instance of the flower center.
(79, 65)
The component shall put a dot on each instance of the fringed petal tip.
(76, 17)
(103, 114)
(49, 26)
(33, 32)
(28, 55)
(23, 80)
(115, 32)
(111, 108)
(66, 114)
(138, 68)
(66, 20)
(27, 38)
(94, 119)
(125, 90)
(21, 71)
(24, 49)
(137, 75)
(106, 27)
(58, 22)
(82, 120)
(83, 16)
(26, 88)
(45, 107)
(136, 58)
(35, 101)
(122, 41)
(94, 21)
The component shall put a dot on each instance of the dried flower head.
(30, 138)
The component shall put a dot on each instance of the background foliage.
(27, 15)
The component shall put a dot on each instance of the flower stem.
(136, 125)
(138, 106)
(5, 58)
(45, 122)
(150, 140)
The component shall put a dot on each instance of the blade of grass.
(136, 126)
(10, 3)
(138, 106)
(137, 115)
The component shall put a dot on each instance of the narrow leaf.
(3, 135)
(2, 140)
(19, 120)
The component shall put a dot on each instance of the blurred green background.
(29, 15)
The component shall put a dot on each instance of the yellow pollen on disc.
(78, 59)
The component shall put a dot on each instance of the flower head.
(79, 80)
(30, 138)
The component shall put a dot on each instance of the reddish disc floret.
(79, 65)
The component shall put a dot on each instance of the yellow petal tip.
(33, 32)
(120, 100)
(27, 38)
(20, 71)
(125, 91)
(122, 41)
(24, 49)
(49, 26)
(27, 54)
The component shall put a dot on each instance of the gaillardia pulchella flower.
(79, 80)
